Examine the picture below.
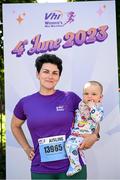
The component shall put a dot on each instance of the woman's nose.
(50, 75)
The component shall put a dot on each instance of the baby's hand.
(91, 103)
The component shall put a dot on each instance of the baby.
(87, 118)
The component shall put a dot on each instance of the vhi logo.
(57, 18)
(55, 15)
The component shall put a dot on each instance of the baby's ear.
(101, 98)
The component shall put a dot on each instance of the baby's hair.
(95, 83)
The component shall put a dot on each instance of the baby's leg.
(81, 152)
(73, 155)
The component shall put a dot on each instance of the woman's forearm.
(97, 130)
(20, 137)
(16, 127)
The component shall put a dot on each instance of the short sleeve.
(76, 101)
(19, 110)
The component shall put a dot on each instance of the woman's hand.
(88, 141)
(30, 152)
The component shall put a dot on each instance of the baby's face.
(92, 93)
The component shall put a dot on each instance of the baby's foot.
(72, 171)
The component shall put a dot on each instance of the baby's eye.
(85, 93)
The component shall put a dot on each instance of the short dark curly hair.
(48, 58)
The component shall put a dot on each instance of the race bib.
(52, 148)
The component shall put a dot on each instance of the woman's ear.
(37, 75)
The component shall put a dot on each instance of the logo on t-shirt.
(60, 108)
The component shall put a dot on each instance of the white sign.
(83, 35)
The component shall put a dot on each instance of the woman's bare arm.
(16, 127)
(90, 139)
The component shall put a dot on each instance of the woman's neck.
(47, 91)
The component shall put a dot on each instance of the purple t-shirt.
(48, 116)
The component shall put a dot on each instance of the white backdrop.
(83, 34)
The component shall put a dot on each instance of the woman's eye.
(46, 72)
(55, 73)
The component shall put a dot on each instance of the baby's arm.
(96, 113)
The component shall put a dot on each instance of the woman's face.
(48, 76)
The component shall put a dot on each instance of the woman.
(49, 114)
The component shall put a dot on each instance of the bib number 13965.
(52, 148)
